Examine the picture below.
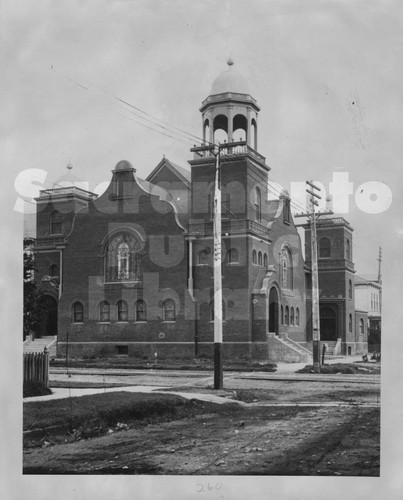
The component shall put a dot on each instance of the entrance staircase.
(38, 345)
(333, 347)
(282, 348)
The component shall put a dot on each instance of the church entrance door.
(273, 311)
(48, 324)
(328, 324)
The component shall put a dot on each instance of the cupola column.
(249, 128)
(230, 114)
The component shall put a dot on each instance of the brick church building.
(130, 272)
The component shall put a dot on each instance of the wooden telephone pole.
(312, 216)
(215, 150)
(218, 350)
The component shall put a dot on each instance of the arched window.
(56, 223)
(123, 311)
(350, 323)
(206, 130)
(361, 326)
(212, 310)
(254, 257)
(287, 269)
(202, 258)
(54, 270)
(282, 315)
(122, 262)
(292, 316)
(141, 313)
(348, 250)
(350, 289)
(77, 312)
(220, 129)
(168, 310)
(233, 256)
(324, 247)
(265, 261)
(104, 312)
(260, 258)
(287, 315)
(286, 210)
(257, 204)
(239, 127)
(297, 317)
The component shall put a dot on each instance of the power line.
(152, 119)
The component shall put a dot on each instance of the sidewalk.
(285, 371)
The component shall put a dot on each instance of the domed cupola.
(230, 113)
(229, 80)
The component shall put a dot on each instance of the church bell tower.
(230, 129)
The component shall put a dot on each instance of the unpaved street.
(270, 441)
(297, 425)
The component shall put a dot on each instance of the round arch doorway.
(273, 311)
(328, 323)
(48, 323)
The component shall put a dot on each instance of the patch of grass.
(31, 389)
(86, 416)
(198, 363)
(346, 368)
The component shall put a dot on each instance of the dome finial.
(69, 166)
(230, 62)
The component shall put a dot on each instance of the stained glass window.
(122, 261)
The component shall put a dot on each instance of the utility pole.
(312, 216)
(218, 354)
(379, 259)
(218, 337)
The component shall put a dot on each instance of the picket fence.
(36, 367)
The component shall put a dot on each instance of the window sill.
(169, 321)
(122, 322)
(142, 322)
(104, 322)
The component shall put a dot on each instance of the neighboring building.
(338, 318)
(131, 272)
(368, 297)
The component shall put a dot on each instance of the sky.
(326, 74)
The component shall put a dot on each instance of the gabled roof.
(181, 173)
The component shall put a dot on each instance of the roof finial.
(230, 62)
(69, 166)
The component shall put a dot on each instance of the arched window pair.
(287, 268)
(122, 311)
(289, 318)
(122, 259)
(259, 258)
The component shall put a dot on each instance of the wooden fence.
(36, 367)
